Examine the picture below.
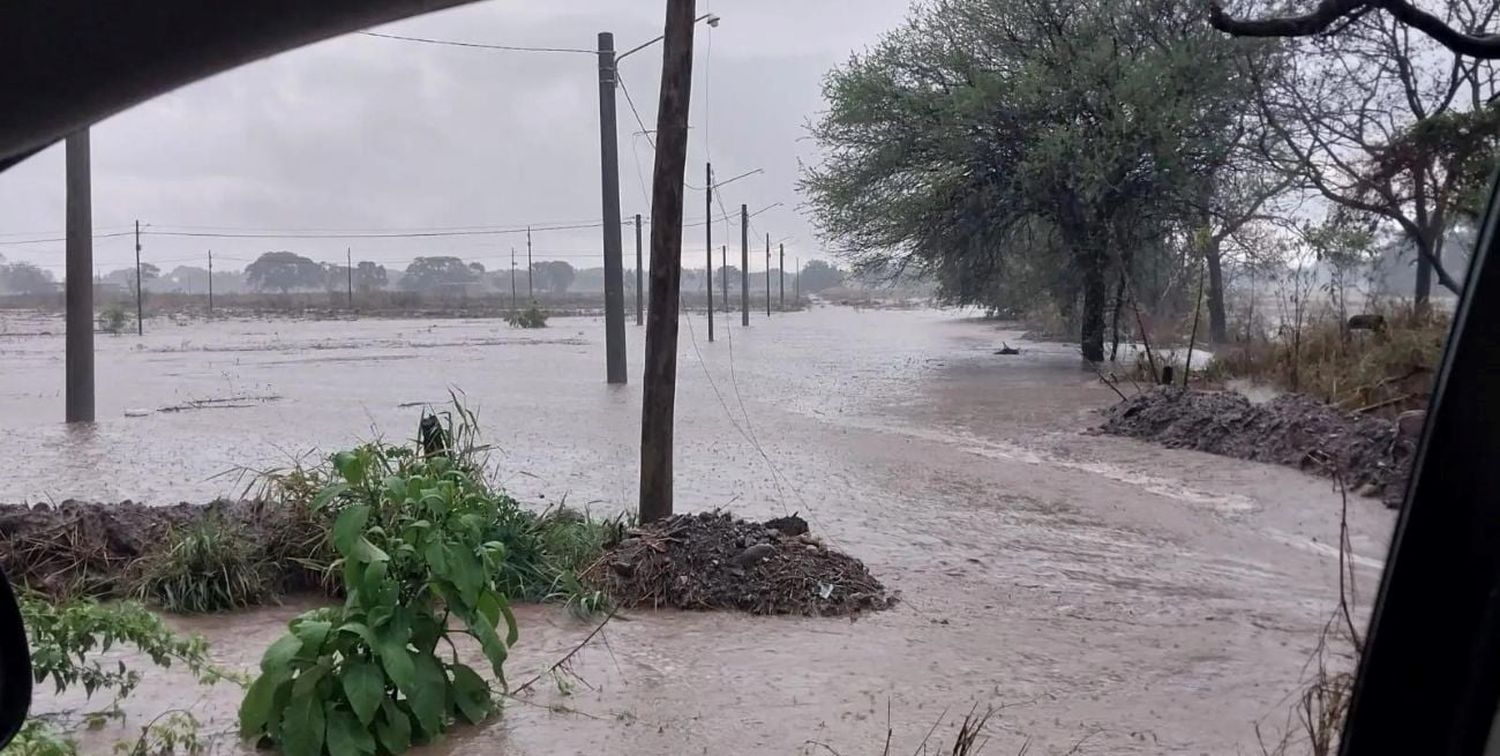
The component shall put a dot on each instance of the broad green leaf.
(436, 554)
(346, 736)
(471, 694)
(349, 528)
(351, 465)
(489, 642)
(279, 655)
(364, 686)
(307, 682)
(302, 727)
(465, 572)
(395, 488)
(393, 727)
(512, 633)
(256, 710)
(329, 493)
(489, 608)
(395, 658)
(312, 633)
(428, 697)
(365, 551)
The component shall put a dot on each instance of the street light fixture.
(609, 148)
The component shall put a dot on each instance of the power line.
(18, 242)
(480, 45)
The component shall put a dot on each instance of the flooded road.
(1136, 599)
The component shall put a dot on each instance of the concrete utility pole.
(744, 265)
(349, 270)
(140, 324)
(724, 274)
(797, 283)
(614, 276)
(531, 293)
(781, 276)
(708, 245)
(210, 282)
(512, 280)
(639, 306)
(768, 275)
(658, 402)
(79, 342)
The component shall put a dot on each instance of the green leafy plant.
(172, 732)
(112, 319)
(531, 317)
(39, 738)
(208, 566)
(412, 534)
(64, 635)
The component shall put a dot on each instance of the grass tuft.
(207, 566)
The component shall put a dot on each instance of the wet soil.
(1368, 454)
(714, 560)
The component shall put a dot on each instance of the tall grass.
(208, 566)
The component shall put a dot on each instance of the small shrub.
(411, 531)
(531, 317)
(113, 319)
(208, 566)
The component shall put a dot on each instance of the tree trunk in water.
(1218, 320)
(1094, 296)
(1114, 344)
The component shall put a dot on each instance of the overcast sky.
(361, 133)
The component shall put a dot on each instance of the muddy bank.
(1369, 454)
(713, 560)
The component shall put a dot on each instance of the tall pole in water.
(781, 276)
(512, 280)
(744, 265)
(531, 293)
(349, 269)
(708, 245)
(614, 274)
(768, 275)
(724, 274)
(659, 395)
(640, 317)
(797, 283)
(79, 346)
(140, 327)
(210, 282)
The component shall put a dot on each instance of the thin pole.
(658, 400)
(614, 276)
(744, 265)
(513, 280)
(140, 327)
(531, 292)
(210, 282)
(768, 275)
(797, 283)
(724, 275)
(79, 342)
(708, 245)
(349, 269)
(781, 276)
(640, 317)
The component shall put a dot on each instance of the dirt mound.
(716, 561)
(1368, 453)
(88, 547)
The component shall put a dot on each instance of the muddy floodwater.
(1102, 590)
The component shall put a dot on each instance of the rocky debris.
(714, 560)
(1371, 455)
(1410, 423)
(1007, 350)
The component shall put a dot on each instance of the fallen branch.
(569, 656)
(1384, 404)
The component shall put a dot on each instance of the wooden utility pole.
(140, 326)
(781, 276)
(79, 346)
(210, 282)
(708, 245)
(531, 293)
(658, 402)
(797, 283)
(744, 265)
(639, 281)
(349, 270)
(768, 275)
(614, 274)
(512, 280)
(724, 274)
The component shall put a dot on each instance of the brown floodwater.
(1101, 590)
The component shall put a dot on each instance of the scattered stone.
(1369, 454)
(1410, 423)
(754, 554)
(791, 525)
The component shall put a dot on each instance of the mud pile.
(1367, 453)
(713, 560)
(88, 547)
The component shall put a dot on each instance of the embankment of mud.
(1369, 454)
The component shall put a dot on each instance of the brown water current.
(1103, 590)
